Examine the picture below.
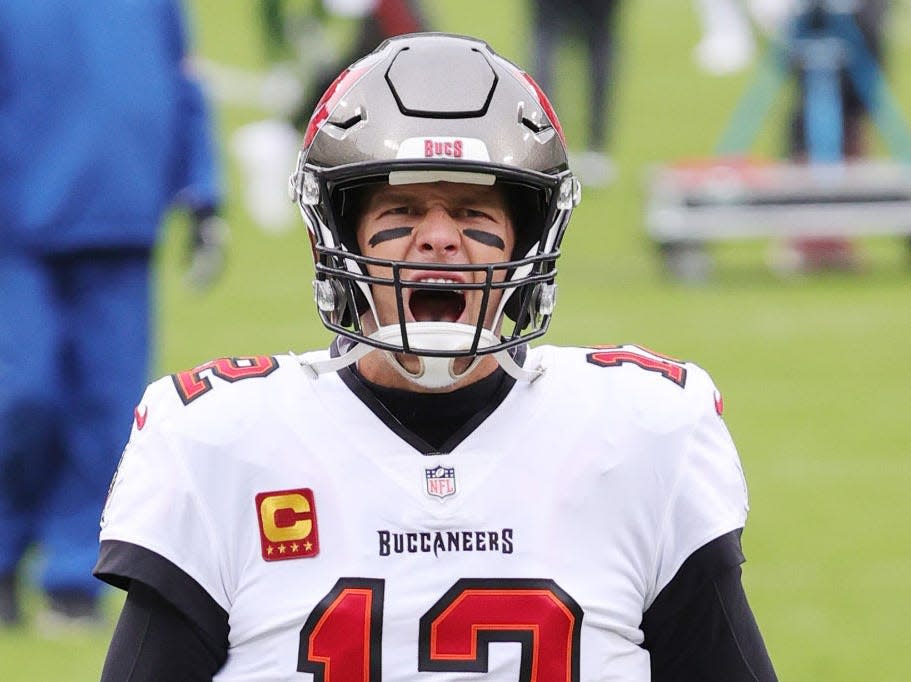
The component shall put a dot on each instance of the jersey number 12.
(342, 639)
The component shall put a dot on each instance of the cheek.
(481, 254)
(384, 250)
(381, 273)
(361, 236)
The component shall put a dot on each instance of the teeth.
(441, 280)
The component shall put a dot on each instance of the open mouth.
(436, 305)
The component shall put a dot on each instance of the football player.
(431, 498)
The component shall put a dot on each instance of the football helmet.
(435, 107)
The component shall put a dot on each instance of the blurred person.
(595, 22)
(869, 17)
(380, 19)
(853, 31)
(729, 31)
(727, 44)
(287, 32)
(101, 130)
(297, 44)
(431, 496)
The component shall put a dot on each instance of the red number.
(616, 356)
(456, 631)
(341, 640)
(191, 384)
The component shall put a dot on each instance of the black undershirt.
(699, 628)
(435, 417)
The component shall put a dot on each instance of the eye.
(396, 210)
(473, 213)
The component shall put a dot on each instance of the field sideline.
(814, 370)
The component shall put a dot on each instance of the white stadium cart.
(692, 204)
(732, 196)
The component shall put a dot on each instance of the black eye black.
(485, 238)
(389, 234)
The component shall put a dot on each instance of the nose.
(438, 233)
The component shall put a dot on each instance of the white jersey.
(341, 550)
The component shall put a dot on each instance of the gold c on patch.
(287, 524)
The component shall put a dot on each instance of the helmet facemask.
(513, 299)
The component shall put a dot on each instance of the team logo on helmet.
(441, 481)
(435, 147)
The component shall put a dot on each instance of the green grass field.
(813, 370)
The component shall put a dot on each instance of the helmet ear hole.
(527, 210)
(533, 302)
(519, 307)
(514, 305)
(347, 206)
(360, 307)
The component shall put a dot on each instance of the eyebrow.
(389, 234)
(486, 238)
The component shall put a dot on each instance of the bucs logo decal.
(467, 148)
(287, 524)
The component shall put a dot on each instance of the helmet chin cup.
(434, 372)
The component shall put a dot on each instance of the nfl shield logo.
(441, 481)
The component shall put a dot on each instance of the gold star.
(270, 549)
(308, 546)
(294, 547)
(281, 549)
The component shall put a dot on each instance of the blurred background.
(811, 361)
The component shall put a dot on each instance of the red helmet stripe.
(333, 94)
(546, 105)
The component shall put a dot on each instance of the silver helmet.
(426, 108)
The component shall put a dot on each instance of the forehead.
(456, 193)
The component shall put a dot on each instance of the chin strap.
(515, 370)
(352, 355)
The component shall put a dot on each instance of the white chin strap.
(433, 372)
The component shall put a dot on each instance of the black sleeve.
(154, 641)
(170, 627)
(701, 628)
